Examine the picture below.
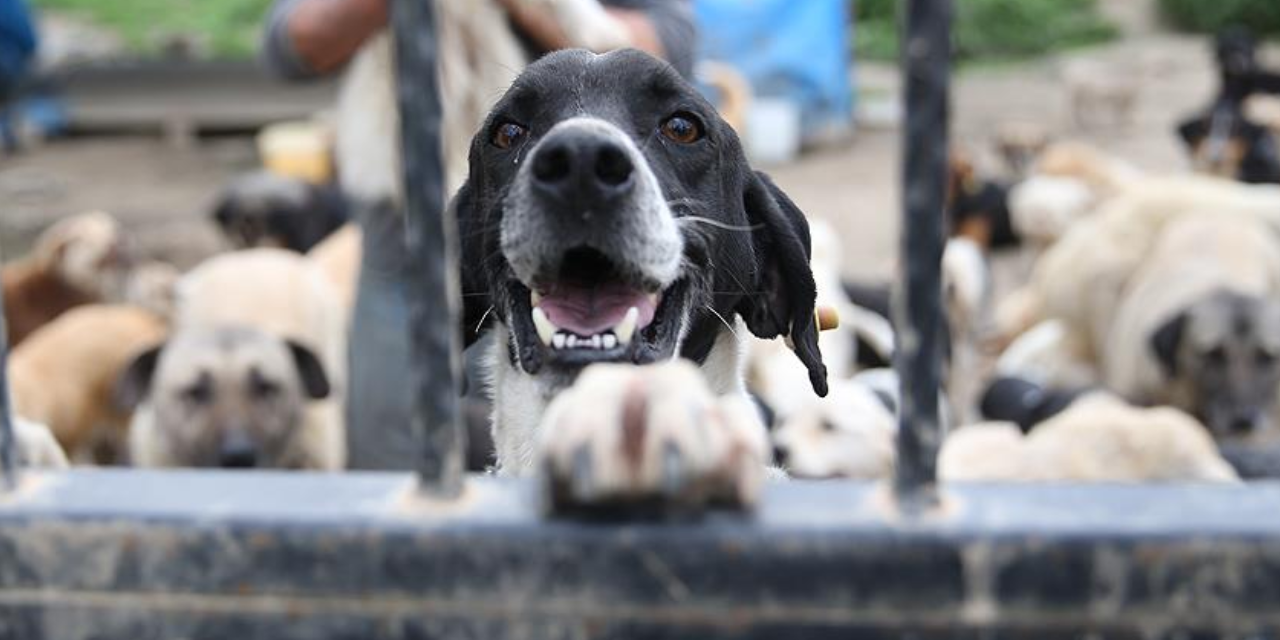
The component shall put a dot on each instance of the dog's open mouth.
(593, 311)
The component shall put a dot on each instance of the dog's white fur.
(719, 442)
(521, 400)
(37, 448)
(284, 295)
(1099, 438)
(64, 375)
(848, 434)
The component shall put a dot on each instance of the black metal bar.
(144, 554)
(926, 53)
(432, 247)
(8, 439)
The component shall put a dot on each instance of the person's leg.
(380, 398)
(8, 134)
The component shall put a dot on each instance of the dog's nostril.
(552, 165)
(613, 167)
(780, 456)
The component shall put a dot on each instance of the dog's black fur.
(1024, 402)
(268, 210)
(752, 260)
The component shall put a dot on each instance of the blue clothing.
(17, 43)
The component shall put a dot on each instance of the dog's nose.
(237, 451)
(780, 456)
(1244, 423)
(582, 168)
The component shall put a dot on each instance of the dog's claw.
(583, 487)
(673, 476)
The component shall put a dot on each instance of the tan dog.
(260, 348)
(1081, 278)
(1199, 325)
(64, 376)
(76, 261)
(231, 397)
(1098, 438)
(338, 256)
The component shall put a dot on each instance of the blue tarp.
(798, 49)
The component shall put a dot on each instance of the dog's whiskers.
(718, 224)
(722, 320)
(484, 317)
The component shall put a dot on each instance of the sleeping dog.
(610, 216)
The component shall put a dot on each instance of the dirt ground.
(163, 194)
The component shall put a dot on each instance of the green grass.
(987, 30)
(228, 28)
(1210, 16)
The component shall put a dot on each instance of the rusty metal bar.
(8, 440)
(926, 59)
(137, 555)
(433, 249)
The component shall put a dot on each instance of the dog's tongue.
(588, 310)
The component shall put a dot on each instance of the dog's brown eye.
(682, 129)
(508, 134)
(261, 388)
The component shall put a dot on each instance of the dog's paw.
(654, 436)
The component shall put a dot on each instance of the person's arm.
(543, 29)
(316, 37)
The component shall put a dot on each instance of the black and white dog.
(610, 216)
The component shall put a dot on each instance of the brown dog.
(77, 261)
(64, 374)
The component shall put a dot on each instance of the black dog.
(610, 216)
(263, 209)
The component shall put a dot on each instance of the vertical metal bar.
(926, 58)
(432, 243)
(8, 439)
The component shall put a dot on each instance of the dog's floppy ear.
(135, 383)
(1164, 343)
(782, 303)
(314, 380)
(476, 301)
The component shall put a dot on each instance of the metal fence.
(191, 554)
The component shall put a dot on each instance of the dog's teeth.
(558, 340)
(627, 327)
(572, 341)
(609, 340)
(546, 330)
(535, 298)
(653, 298)
(595, 341)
